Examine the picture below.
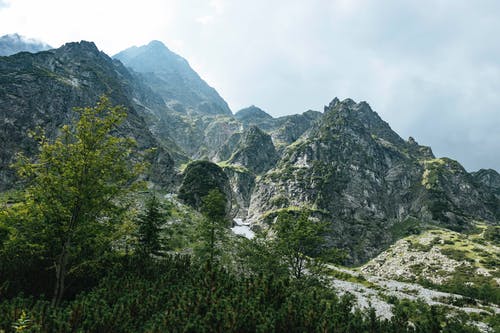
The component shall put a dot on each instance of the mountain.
(255, 151)
(40, 90)
(14, 43)
(344, 165)
(254, 116)
(392, 207)
(193, 117)
(170, 75)
(353, 170)
(488, 178)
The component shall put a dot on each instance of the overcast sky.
(431, 69)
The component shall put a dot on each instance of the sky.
(430, 68)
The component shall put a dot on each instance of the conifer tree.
(150, 223)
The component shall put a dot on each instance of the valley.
(403, 224)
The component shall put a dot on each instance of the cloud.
(4, 3)
(207, 19)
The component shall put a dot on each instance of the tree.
(212, 231)
(213, 228)
(150, 223)
(300, 242)
(75, 181)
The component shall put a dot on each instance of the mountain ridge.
(172, 77)
(345, 165)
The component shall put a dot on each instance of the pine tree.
(150, 223)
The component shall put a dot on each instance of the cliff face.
(40, 90)
(353, 169)
(255, 151)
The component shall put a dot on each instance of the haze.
(430, 68)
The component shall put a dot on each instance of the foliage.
(212, 229)
(492, 234)
(466, 282)
(71, 203)
(170, 295)
(259, 256)
(300, 242)
(149, 228)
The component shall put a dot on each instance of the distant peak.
(253, 112)
(15, 37)
(14, 43)
(157, 44)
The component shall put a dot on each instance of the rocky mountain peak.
(349, 116)
(42, 89)
(488, 178)
(255, 151)
(332, 104)
(254, 116)
(79, 50)
(252, 112)
(154, 57)
(170, 76)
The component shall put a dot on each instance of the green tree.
(212, 230)
(300, 242)
(259, 256)
(149, 228)
(75, 181)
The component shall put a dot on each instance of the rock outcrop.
(255, 151)
(352, 169)
(199, 178)
(40, 90)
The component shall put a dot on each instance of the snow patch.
(242, 228)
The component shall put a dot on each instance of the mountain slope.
(353, 170)
(173, 79)
(191, 115)
(40, 90)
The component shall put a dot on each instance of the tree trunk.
(62, 260)
(61, 269)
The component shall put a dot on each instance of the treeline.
(78, 253)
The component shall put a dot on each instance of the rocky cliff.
(192, 114)
(352, 169)
(40, 90)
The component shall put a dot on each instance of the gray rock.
(40, 90)
(358, 173)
